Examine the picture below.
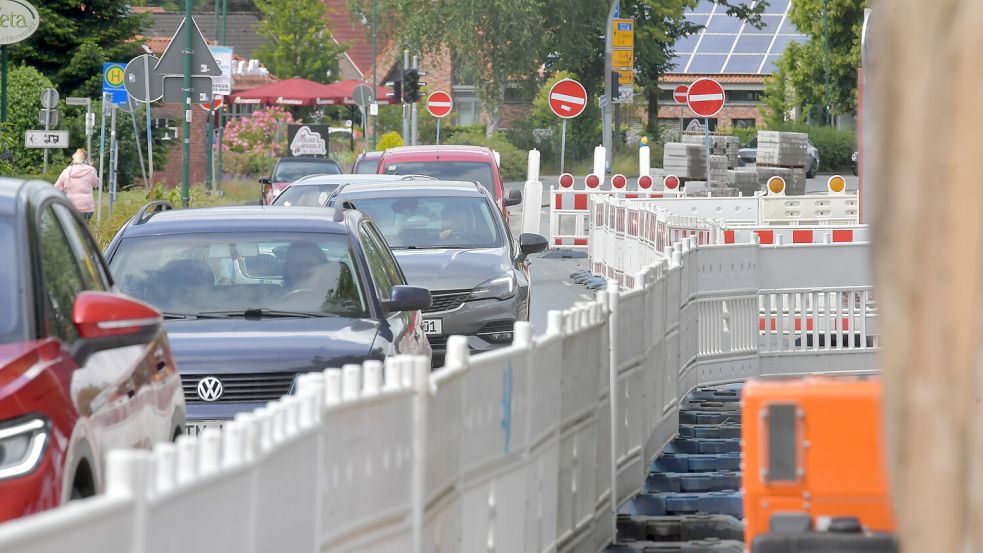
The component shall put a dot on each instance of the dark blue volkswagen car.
(252, 296)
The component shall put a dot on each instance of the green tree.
(800, 79)
(490, 42)
(74, 39)
(24, 86)
(298, 40)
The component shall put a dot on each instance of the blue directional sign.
(113, 82)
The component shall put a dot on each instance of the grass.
(128, 202)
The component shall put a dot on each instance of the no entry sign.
(706, 97)
(680, 94)
(439, 104)
(568, 98)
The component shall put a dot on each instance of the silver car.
(313, 190)
(451, 238)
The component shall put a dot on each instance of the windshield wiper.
(167, 315)
(260, 313)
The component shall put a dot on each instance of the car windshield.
(9, 303)
(416, 222)
(308, 195)
(468, 171)
(289, 171)
(367, 166)
(305, 274)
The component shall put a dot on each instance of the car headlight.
(22, 444)
(499, 288)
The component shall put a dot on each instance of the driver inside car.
(458, 224)
(306, 272)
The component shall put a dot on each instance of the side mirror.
(107, 321)
(265, 180)
(531, 243)
(408, 298)
(514, 197)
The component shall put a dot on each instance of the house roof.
(241, 29)
(724, 79)
(358, 37)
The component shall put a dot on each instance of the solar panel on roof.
(744, 63)
(716, 44)
(704, 63)
(728, 45)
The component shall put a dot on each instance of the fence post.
(127, 473)
(613, 395)
(421, 384)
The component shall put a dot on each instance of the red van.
(451, 163)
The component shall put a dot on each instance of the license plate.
(197, 427)
(433, 326)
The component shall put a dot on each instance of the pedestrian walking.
(77, 181)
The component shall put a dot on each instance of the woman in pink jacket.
(77, 182)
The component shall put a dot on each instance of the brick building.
(737, 55)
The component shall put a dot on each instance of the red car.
(451, 163)
(83, 369)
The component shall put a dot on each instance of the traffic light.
(398, 90)
(411, 86)
(615, 76)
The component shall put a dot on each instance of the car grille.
(241, 388)
(438, 342)
(447, 301)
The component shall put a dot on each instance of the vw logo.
(209, 388)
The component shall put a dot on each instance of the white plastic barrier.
(524, 449)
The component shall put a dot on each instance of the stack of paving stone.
(718, 170)
(720, 145)
(746, 181)
(783, 149)
(700, 189)
(795, 178)
(686, 161)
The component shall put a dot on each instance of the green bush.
(514, 161)
(391, 139)
(835, 146)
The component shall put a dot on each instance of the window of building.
(666, 96)
(520, 91)
(750, 96)
(743, 123)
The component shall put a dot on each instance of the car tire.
(83, 483)
(813, 169)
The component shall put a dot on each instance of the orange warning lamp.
(836, 184)
(776, 186)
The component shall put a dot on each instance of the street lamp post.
(827, 116)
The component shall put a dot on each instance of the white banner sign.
(222, 86)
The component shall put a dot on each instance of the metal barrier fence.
(526, 449)
(570, 211)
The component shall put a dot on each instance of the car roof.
(238, 219)
(321, 160)
(9, 190)
(430, 152)
(371, 155)
(419, 188)
(344, 178)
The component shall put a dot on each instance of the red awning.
(301, 92)
(341, 93)
(291, 92)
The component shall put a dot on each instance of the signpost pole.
(608, 92)
(136, 136)
(112, 160)
(47, 127)
(150, 136)
(209, 146)
(563, 145)
(438, 131)
(89, 124)
(375, 78)
(414, 114)
(706, 127)
(3, 83)
(186, 150)
(102, 151)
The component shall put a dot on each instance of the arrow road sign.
(46, 139)
(201, 90)
(568, 98)
(202, 61)
(135, 78)
(680, 94)
(706, 97)
(439, 104)
(362, 95)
